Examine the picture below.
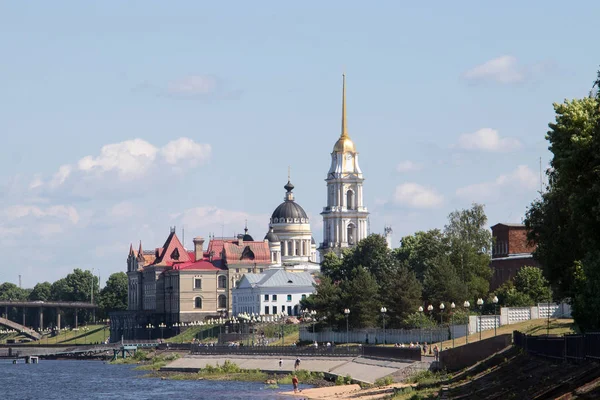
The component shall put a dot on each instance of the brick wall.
(507, 269)
(517, 241)
(467, 355)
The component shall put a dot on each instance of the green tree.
(401, 295)
(373, 254)
(326, 301)
(333, 267)
(41, 291)
(419, 320)
(509, 296)
(531, 282)
(10, 291)
(113, 297)
(423, 250)
(360, 294)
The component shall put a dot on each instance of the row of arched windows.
(221, 300)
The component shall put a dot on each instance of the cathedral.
(345, 216)
(172, 284)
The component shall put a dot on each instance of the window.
(261, 270)
(274, 297)
(266, 298)
(274, 310)
(249, 270)
(350, 200)
(222, 301)
(198, 302)
(197, 283)
(266, 310)
(303, 297)
(237, 270)
(282, 308)
(222, 282)
(289, 310)
(289, 297)
(350, 234)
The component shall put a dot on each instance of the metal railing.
(279, 350)
(576, 347)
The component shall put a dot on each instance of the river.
(76, 379)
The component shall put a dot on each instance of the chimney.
(198, 248)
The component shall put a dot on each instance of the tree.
(10, 291)
(531, 282)
(113, 297)
(41, 291)
(509, 296)
(423, 251)
(333, 267)
(401, 295)
(326, 301)
(373, 254)
(361, 295)
(470, 244)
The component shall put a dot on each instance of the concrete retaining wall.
(467, 355)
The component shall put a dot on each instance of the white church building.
(274, 292)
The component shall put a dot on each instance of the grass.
(95, 334)
(148, 361)
(531, 327)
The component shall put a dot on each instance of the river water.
(51, 379)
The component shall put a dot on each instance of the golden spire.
(344, 127)
(344, 144)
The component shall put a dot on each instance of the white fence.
(373, 336)
(513, 315)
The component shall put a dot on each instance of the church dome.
(344, 145)
(272, 236)
(289, 211)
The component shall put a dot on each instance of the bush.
(339, 380)
(384, 381)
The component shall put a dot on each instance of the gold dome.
(344, 145)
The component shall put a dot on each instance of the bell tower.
(345, 216)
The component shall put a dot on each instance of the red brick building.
(510, 253)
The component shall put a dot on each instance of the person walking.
(280, 363)
(436, 353)
(295, 383)
(297, 364)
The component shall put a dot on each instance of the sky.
(120, 120)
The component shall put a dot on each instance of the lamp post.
(420, 327)
(383, 311)
(282, 330)
(495, 301)
(347, 314)
(467, 305)
(149, 327)
(85, 330)
(480, 305)
(162, 327)
(430, 309)
(452, 307)
(442, 307)
(313, 316)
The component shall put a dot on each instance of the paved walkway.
(359, 368)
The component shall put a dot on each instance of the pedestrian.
(280, 363)
(295, 383)
(297, 364)
(436, 353)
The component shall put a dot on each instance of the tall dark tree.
(360, 294)
(41, 291)
(113, 297)
(401, 295)
(333, 267)
(423, 251)
(373, 254)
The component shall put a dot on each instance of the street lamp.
(430, 309)
(480, 305)
(442, 307)
(467, 305)
(313, 316)
(162, 327)
(347, 314)
(452, 307)
(495, 301)
(383, 311)
(420, 325)
(85, 330)
(149, 327)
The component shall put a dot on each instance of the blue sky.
(120, 120)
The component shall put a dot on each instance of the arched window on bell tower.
(351, 234)
(350, 200)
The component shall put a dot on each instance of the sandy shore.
(346, 392)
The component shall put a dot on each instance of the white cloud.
(194, 85)
(417, 196)
(487, 139)
(217, 220)
(408, 166)
(122, 210)
(129, 160)
(57, 211)
(504, 69)
(185, 149)
(522, 178)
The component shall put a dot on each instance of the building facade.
(345, 218)
(511, 252)
(272, 293)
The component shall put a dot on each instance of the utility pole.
(20, 282)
